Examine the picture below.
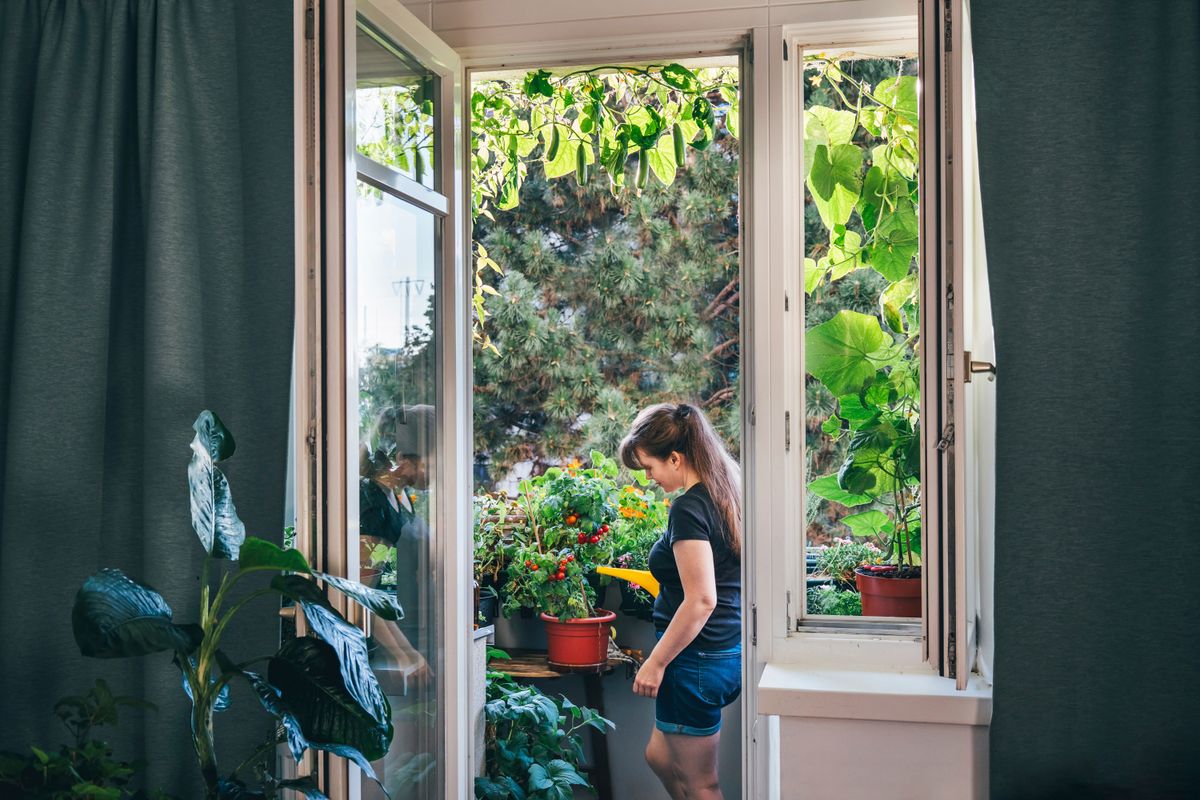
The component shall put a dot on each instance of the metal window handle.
(977, 366)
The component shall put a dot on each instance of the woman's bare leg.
(694, 763)
(658, 756)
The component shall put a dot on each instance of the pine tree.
(609, 304)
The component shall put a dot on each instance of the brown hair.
(682, 428)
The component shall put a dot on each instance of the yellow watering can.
(641, 577)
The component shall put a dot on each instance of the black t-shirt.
(694, 516)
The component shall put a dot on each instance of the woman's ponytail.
(667, 427)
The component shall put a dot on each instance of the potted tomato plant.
(569, 512)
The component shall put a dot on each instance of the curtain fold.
(146, 258)
(1087, 114)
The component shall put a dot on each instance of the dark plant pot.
(489, 608)
(633, 605)
(596, 581)
(578, 643)
(884, 596)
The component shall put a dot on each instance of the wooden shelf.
(531, 664)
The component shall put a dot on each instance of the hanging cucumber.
(643, 168)
(555, 140)
(581, 167)
(677, 140)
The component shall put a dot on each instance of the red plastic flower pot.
(888, 597)
(578, 643)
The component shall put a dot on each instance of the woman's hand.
(649, 677)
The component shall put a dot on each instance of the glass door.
(394, 342)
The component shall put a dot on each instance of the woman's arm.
(694, 560)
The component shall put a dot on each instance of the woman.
(695, 669)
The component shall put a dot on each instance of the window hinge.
(753, 416)
(787, 431)
(787, 610)
(308, 23)
(753, 625)
(948, 27)
(787, 301)
(311, 440)
(785, 50)
(947, 438)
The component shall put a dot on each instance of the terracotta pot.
(889, 597)
(578, 642)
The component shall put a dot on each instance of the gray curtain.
(1090, 171)
(145, 274)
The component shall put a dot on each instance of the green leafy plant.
(840, 559)
(831, 601)
(500, 525)
(321, 690)
(570, 512)
(533, 742)
(861, 154)
(85, 768)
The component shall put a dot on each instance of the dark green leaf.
(214, 436)
(260, 554)
(222, 701)
(214, 516)
(835, 181)
(383, 604)
(115, 616)
(268, 695)
(308, 676)
(538, 83)
(348, 642)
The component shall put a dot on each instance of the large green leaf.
(827, 487)
(901, 94)
(662, 160)
(895, 243)
(839, 353)
(838, 125)
(260, 554)
(835, 181)
(893, 300)
(869, 523)
(307, 674)
(349, 643)
(214, 516)
(115, 616)
(564, 159)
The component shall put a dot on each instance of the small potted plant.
(570, 512)
(874, 377)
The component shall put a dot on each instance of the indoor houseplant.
(569, 511)
(320, 689)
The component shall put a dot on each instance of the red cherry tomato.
(534, 567)
(593, 538)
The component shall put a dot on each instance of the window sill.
(801, 690)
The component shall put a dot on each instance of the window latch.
(977, 366)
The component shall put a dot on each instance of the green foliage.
(84, 769)
(321, 690)
(839, 602)
(839, 559)
(533, 742)
(607, 304)
(860, 273)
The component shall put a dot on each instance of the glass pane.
(395, 107)
(394, 290)
(862, 319)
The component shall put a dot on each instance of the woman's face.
(669, 473)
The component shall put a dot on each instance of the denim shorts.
(695, 687)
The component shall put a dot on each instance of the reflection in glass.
(394, 107)
(395, 318)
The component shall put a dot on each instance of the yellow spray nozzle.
(641, 577)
